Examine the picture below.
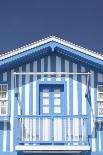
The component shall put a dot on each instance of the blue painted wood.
(31, 91)
(63, 98)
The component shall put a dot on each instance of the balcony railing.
(53, 130)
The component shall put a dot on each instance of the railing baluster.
(65, 126)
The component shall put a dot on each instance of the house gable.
(51, 44)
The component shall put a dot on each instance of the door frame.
(50, 83)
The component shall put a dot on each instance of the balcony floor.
(43, 148)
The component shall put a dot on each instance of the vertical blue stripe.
(39, 68)
(62, 68)
(31, 91)
(79, 90)
(95, 104)
(63, 104)
(102, 138)
(15, 139)
(9, 105)
(23, 91)
(88, 105)
(1, 123)
(71, 99)
(45, 66)
(53, 65)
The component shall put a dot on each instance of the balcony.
(62, 132)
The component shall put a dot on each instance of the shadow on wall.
(82, 153)
(2, 125)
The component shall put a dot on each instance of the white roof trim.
(47, 40)
(52, 148)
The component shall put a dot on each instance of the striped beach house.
(51, 100)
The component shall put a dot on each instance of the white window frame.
(99, 100)
(5, 99)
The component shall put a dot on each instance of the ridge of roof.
(49, 39)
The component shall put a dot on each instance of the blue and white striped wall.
(28, 100)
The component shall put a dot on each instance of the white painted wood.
(49, 67)
(42, 69)
(51, 73)
(27, 89)
(46, 101)
(5, 136)
(12, 112)
(46, 129)
(58, 68)
(5, 122)
(93, 112)
(34, 99)
(57, 107)
(34, 87)
(75, 92)
(57, 129)
(75, 105)
(5, 76)
(53, 147)
(84, 86)
(99, 134)
(20, 92)
(67, 80)
(100, 77)
(49, 39)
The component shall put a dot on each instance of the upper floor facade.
(51, 99)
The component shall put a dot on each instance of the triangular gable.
(52, 44)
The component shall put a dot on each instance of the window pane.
(3, 110)
(100, 96)
(46, 109)
(3, 107)
(100, 88)
(45, 101)
(57, 108)
(0, 95)
(46, 93)
(4, 94)
(100, 111)
(100, 104)
(4, 87)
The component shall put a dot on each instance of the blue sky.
(26, 21)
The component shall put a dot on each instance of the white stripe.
(27, 90)
(83, 92)
(20, 92)
(42, 69)
(99, 134)
(100, 77)
(34, 87)
(4, 136)
(34, 99)
(12, 111)
(5, 76)
(49, 67)
(75, 105)
(68, 104)
(93, 113)
(75, 95)
(58, 68)
(67, 80)
(27, 101)
(5, 122)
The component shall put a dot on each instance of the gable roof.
(47, 40)
(50, 44)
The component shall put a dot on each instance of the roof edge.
(47, 40)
